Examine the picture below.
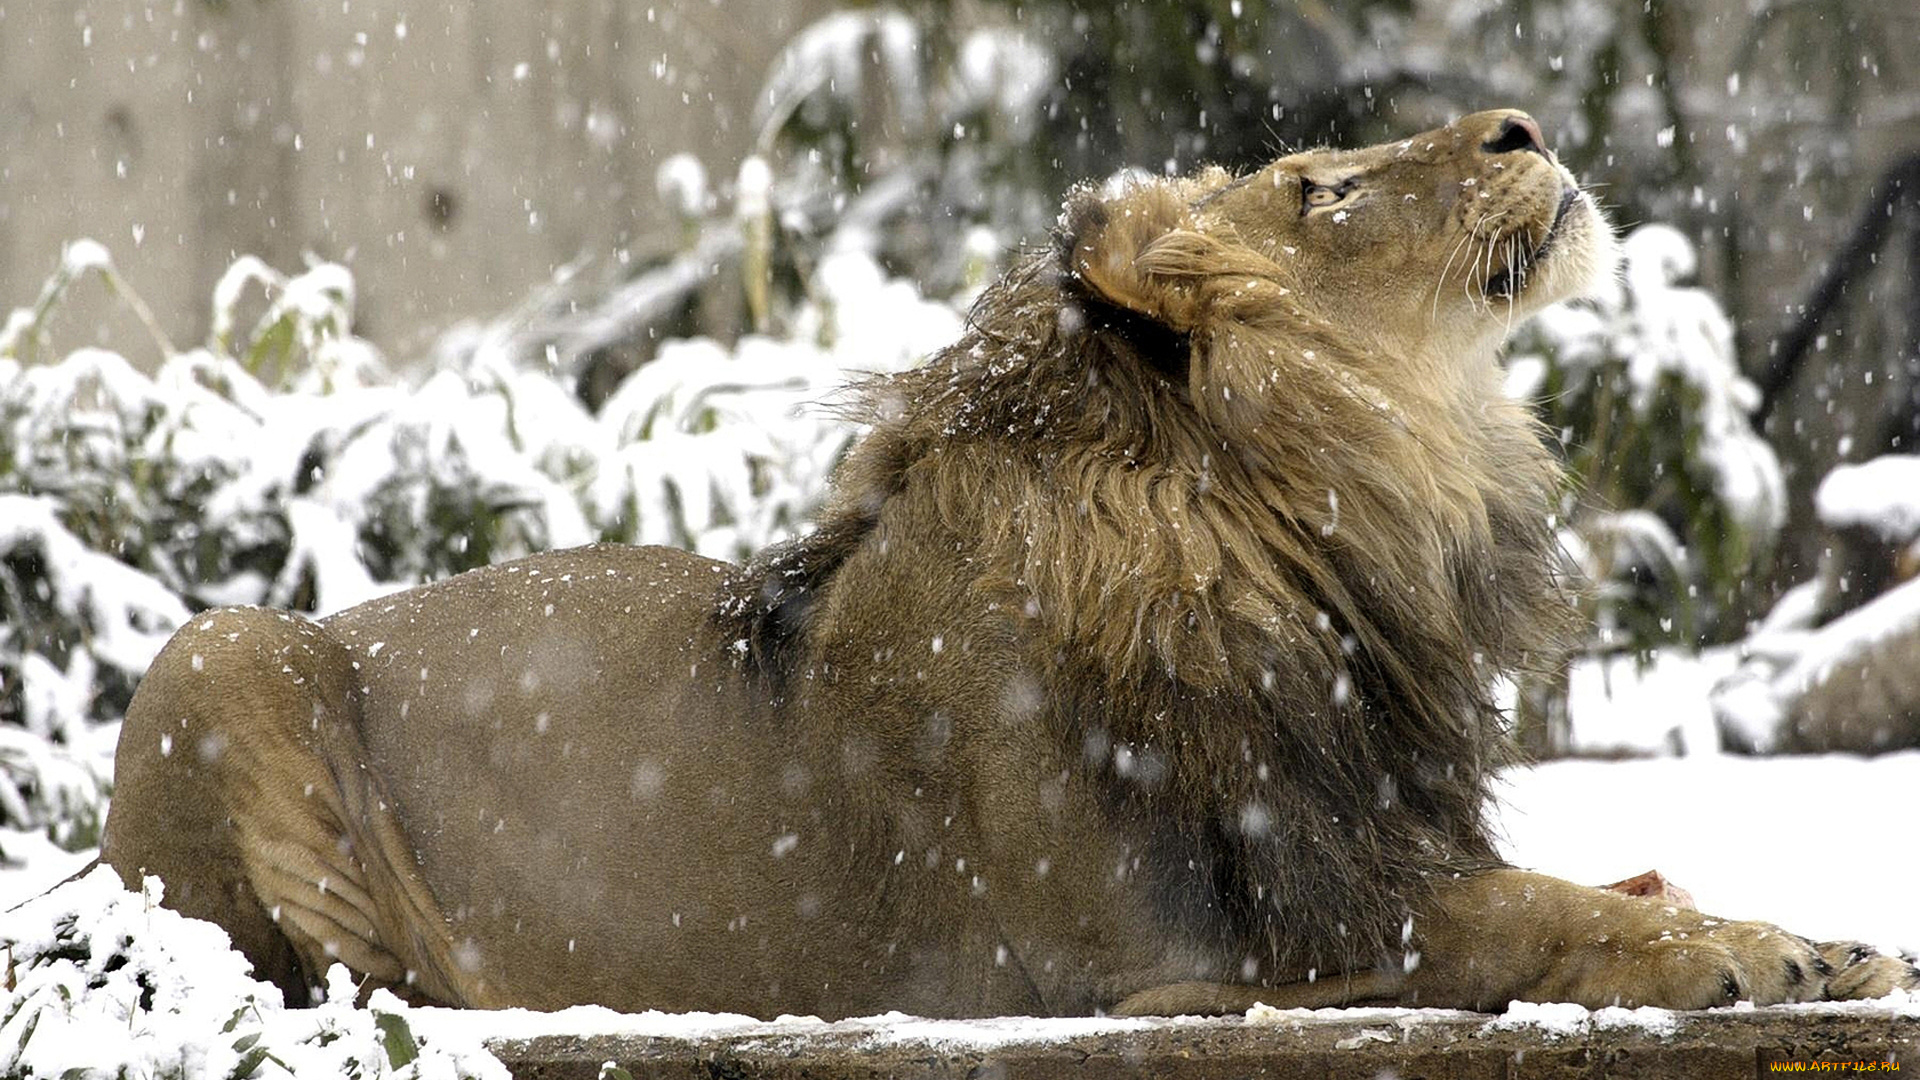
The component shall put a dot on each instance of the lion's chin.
(1579, 257)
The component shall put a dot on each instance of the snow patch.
(1657, 1022)
(753, 188)
(1756, 699)
(109, 983)
(1398, 1016)
(1557, 1020)
(681, 182)
(1554, 1019)
(1621, 703)
(83, 255)
(1881, 495)
(1704, 822)
(1004, 74)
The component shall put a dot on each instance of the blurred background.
(311, 301)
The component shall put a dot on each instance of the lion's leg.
(165, 819)
(1505, 935)
(240, 781)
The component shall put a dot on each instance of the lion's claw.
(1856, 971)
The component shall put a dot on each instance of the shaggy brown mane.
(1256, 550)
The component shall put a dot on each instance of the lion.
(1142, 661)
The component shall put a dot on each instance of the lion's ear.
(1117, 246)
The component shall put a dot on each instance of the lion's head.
(1425, 248)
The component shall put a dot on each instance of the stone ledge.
(1360, 1044)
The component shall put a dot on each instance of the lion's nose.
(1517, 132)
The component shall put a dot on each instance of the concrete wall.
(454, 153)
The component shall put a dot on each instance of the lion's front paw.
(1860, 971)
(1682, 960)
(1505, 935)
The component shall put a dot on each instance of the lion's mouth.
(1512, 278)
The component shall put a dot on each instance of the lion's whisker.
(1513, 283)
(1484, 264)
(1441, 282)
(1473, 260)
(1486, 275)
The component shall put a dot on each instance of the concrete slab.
(1325, 1045)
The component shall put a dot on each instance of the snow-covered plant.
(304, 338)
(1827, 669)
(87, 592)
(23, 334)
(118, 514)
(127, 501)
(105, 983)
(77, 627)
(283, 465)
(899, 134)
(725, 450)
(1679, 498)
(386, 487)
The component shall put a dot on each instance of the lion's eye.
(1314, 196)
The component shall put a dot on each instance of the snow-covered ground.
(1815, 844)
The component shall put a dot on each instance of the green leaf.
(273, 347)
(401, 1046)
(27, 1030)
(248, 1064)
